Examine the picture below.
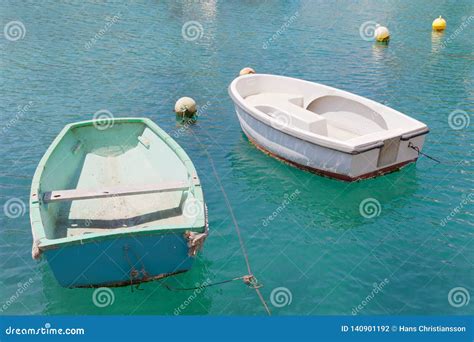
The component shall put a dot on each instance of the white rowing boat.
(324, 129)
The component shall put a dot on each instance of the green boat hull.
(116, 205)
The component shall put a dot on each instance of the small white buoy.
(246, 71)
(381, 34)
(439, 24)
(185, 106)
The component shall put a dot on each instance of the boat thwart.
(116, 206)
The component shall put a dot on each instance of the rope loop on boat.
(35, 250)
(417, 149)
(195, 241)
(134, 273)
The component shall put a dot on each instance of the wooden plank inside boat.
(82, 194)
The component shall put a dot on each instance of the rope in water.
(246, 278)
(236, 225)
(417, 149)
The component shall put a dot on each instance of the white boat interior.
(124, 177)
(324, 115)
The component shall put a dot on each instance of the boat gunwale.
(317, 139)
(39, 237)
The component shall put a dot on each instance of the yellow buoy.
(246, 71)
(185, 106)
(381, 34)
(439, 24)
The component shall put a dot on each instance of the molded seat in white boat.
(288, 109)
(348, 115)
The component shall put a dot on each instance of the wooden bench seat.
(83, 194)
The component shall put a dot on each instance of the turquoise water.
(317, 245)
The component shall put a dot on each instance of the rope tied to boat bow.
(417, 149)
(35, 250)
(195, 242)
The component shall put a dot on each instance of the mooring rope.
(417, 149)
(248, 279)
(236, 225)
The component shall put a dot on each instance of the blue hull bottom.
(120, 261)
